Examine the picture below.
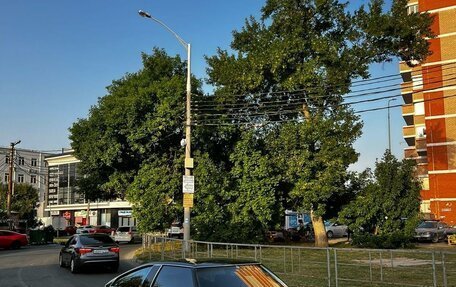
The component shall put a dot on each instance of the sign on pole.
(188, 184)
(188, 200)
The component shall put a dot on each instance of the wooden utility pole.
(10, 178)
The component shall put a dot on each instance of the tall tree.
(313, 49)
(391, 195)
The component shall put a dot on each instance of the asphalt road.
(38, 266)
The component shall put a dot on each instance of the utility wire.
(245, 112)
(221, 106)
(427, 69)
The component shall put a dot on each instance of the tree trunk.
(321, 240)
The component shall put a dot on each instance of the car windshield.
(428, 224)
(96, 240)
(123, 229)
(239, 276)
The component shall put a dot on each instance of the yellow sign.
(188, 199)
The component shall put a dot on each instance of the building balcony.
(409, 134)
(406, 71)
(421, 160)
(418, 97)
(406, 88)
(410, 152)
(408, 112)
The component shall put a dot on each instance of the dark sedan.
(89, 249)
(198, 275)
(11, 239)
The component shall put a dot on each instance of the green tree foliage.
(24, 200)
(389, 199)
(314, 48)
(129, 144)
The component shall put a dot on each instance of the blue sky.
(57, 57)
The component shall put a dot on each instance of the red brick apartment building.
(429, 93)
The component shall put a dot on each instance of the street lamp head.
(144, 14)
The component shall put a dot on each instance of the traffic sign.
(188, 184)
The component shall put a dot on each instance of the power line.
(198, 123)
(427, 69)
(221, 106)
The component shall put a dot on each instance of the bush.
(385, 241)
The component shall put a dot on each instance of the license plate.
(100, 251)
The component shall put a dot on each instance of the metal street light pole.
(389, 125)
(188, 158)
(10, 178)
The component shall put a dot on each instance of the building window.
(7, 159)
(412, 9)
(6, 177)
(33, 179)
(21, 160)
(20, 178)
(34, 162)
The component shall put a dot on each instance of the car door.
(141, 277)
(4, 239)
(68, 249)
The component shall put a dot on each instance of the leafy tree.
(24, 200)
(314, 49)
(391, 195)
(133, 135)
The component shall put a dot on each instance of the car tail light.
(83, 251)
(114, 249)
(129, 232)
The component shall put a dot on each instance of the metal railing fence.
(311, 266)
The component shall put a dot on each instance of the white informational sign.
(188, 184)
(55, 213)
(125, 213)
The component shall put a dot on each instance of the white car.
(333, 229)
(127, 234)
(85, 229)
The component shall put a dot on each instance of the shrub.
(384, 241)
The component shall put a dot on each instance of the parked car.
(13, 240)
(433, 230)
(127, 234)
(176, 230)
(197, 275)
(102, 229)
(334, 229)
(85, 229)
(88, 249)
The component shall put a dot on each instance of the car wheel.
(330, 234)
(435, 238)
(74, 268)
(61, 264)
(15, 245)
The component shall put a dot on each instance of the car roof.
(204, 264)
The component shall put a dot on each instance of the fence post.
(256, 253)
(381, 267)
(163, 243)
(291, 253)
(391, 254)
(335, 268)
(328, 266)
(284, 260)
(434, 278)
(261, 254)
(370, 265)
(445, 283)
(208, 250)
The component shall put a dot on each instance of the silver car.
(334, 229)
(432, 230)
(128, 234)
